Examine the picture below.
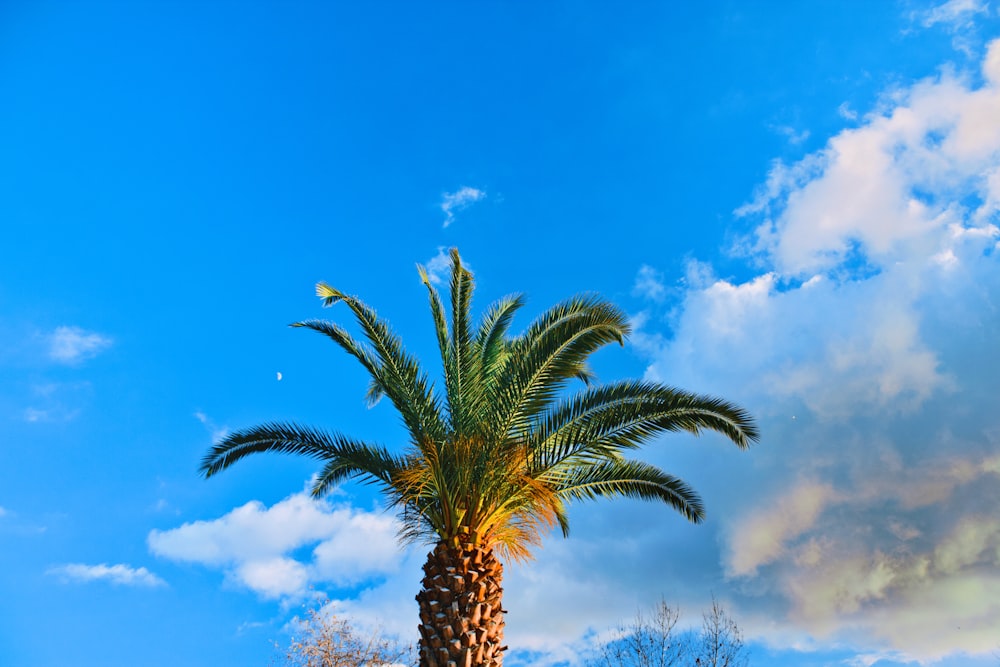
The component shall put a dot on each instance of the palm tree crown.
(493, 460)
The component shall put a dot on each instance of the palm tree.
(493, 461)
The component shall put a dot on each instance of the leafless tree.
(655, 641)
(720, 643)
(323, 639)
(646, 642)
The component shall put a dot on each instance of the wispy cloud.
(953, 13)
(795, 137)
(217, 432)
(72, 345)
(56, 401)
(256, 546)
(453, 202)
(958, 18)
(120, 574)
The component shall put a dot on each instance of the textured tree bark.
(461, 617)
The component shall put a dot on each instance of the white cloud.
(649, 284)
(273, 577)
(72, 345)
(885, 191)
(257, 546)
(120, 574)
(453, 202)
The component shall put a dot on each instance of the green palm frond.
(280, 438)
(341, 337)
(370, 463)
(437, 312)
(553, 350)
(602, 421)
(491, 339)
(399, 375)
(631, 479)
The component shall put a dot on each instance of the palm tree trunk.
(461, 618)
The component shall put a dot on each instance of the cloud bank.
(866, 344)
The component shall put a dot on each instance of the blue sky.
(797, 203)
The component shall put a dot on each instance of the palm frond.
(553, 350)
(372, 463)
(462, 370)
(399, 374)
(277, 437)
(491, 339)
(602, 421)
(631, 479)
(437, 312)
(348, 343)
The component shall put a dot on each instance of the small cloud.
(248, 626)
(4, 511)
(72, 345)
(439, 265)
(452, 202)
(32, 415)
(649, 284)
(163, 505)
(846, 112)
(119, 575)
(794, 136)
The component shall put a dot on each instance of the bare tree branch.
(323, 639)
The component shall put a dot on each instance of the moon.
(279, 376)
